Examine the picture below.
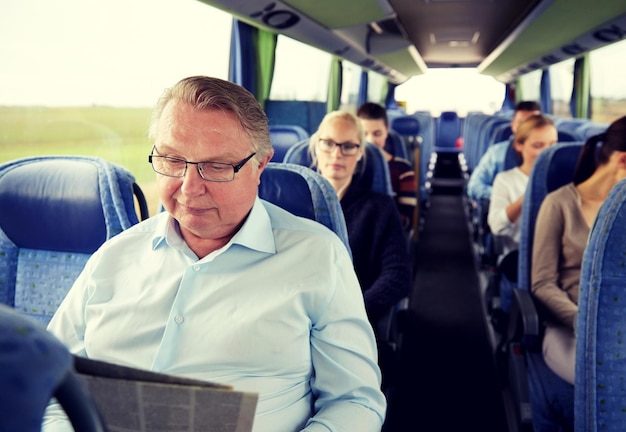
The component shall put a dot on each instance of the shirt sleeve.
(482, 177)
(346, 378)
(545, 264)
(498, 221)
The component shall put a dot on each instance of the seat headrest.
(288, 190)
(406, 125)
(53, 205)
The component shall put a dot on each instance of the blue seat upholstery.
(62, 208)
(409, 128)
(304, 193)
(373, 170)
(550, 397)
(448, 131)
(34, 367)
(396, 146)
(600, 390)
(283, 137)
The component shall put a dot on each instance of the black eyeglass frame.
(236, 167)
(342, 147)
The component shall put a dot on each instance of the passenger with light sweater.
(533, 135)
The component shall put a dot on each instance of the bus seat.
(373, 170)
(283, 137)
(34, 367)
(396, 146)
(62, 208)
(590, 129)
(537, 389)
(304, 193)
(408, 127)
(448, 130)
(600, 367)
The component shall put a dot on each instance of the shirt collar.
(255, 233)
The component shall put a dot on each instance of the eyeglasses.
(211, 171)
(347, 148)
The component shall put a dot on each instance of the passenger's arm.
(389, 250)
(482, 177)
(547, 253)
(499, 219)
(346, 378)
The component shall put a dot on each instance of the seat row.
(541, 398)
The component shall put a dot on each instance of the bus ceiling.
(403, 38)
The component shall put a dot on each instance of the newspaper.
(134, 400)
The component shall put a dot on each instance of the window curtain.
(242, 57)
(334, 85)
(509, 97)
(363, 84)
(390, 98)
(266, 49)
(545, 92)
(580, 103)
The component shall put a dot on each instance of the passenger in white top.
(533, 135)
(226, 287)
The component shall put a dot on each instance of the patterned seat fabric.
(56, 211)
(600, 388)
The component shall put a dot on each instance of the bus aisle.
(448, 380)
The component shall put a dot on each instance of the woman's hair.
(327, 120)
(593, 155)
(533, 122)
(207, 93)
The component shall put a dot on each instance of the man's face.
(204, 209)
(520, 116)
(376, 131)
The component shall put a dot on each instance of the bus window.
(85, 82)
(300, 72)
(351, 79)
(608, 87)
(376, 87)
(530, 86)
(460, 89)
(561, 84)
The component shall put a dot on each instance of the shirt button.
(196, 268)
(178, 319)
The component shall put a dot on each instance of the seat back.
(62, 208)
(553, 168)
(448, 131)
(372, 171)
(600, 368)
(304, 193)
(396, 146)
(34, 367)
(283, 137)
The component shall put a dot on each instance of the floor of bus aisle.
(447, 379)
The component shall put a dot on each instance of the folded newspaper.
(134, 400)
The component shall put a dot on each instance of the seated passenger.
(225, 287)
(403, 183)
(374, 230)
(533, 135)
(492, 162)
(561, 232)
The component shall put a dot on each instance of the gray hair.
(207, 93)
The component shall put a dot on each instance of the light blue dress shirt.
(277, 311)
(490, 164)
